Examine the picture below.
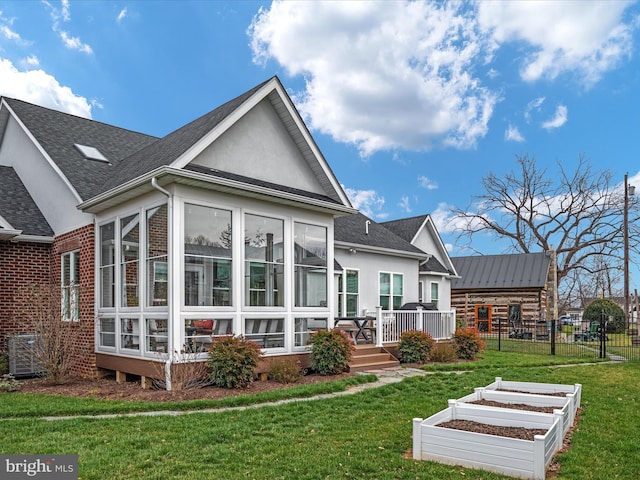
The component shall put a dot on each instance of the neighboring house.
(223, 227)
(508, 287)
(437, 271)
(376, 267)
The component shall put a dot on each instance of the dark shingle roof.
(525, 270)
(57, 133)
(18, 208)
(406, 228)
(352, 229)
(434, 265)
(169, 148)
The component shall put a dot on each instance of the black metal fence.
(609, 337)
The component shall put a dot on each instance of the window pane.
(310, 245)
(304, 327)
(384, 303)
(207, 231)
(311, 287)
(130, 333)
(385, 284)
(107, 287)
(130, 284)
(264, 239)
(266, 332)
(397, 284)
(352, 305)
(107, 261)
(157, 232)
(130, 238)
(157, 339)
(352, 281)
(107, 332)
(107, 244)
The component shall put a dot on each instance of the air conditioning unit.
(21, 356)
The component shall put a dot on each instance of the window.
(157, 335)
(130, 333)
(207, 256)
(70, 266)
(107, 332)
(304, 327)
(266, 332)
(107, 265)
(434, 293)
(200, 332)
(129, 260)
(391, 290)
(157, 250)
(310, 243)
(348, 294)
(264, 261)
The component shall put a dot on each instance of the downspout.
(167, 193)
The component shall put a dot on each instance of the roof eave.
(379, 250)
(142, 184)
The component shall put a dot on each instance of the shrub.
(232, 362)
(467, 344)
(443, 353)
(8, 383)
(594, 310)
(415, 346)
(285, 370)
(4, 366)
(331, 351)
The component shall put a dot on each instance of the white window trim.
(73, 288)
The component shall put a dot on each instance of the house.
(233, 224)
(515, 287)
(437, 270)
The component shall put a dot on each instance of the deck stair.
(370, 357)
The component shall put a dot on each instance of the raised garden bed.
(574, 392)
(563, 405)
(509, 456)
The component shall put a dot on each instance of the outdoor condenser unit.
(21, 356)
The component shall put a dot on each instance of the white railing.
(390, 324)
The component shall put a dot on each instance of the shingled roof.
(57, 132)
(352, 229)
(525, 270)
(406, 228)
(18, 208)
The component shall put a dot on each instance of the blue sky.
(412, 103)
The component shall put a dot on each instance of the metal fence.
(620, 340)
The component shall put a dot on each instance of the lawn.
(364, 435)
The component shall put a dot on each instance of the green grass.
(357, 436)
(16, 404)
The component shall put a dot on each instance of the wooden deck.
(370, 357)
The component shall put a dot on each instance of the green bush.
(593, 312)
(331, 351)
(8, 383)
(232, 362)
(443, 353)
(414, 346)
(285, 370)
(467, 344)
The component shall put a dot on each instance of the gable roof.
(56, 134)
(360, 231)
(18, 211)
(410, 228)
(524, 270)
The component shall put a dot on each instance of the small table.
(363, 328)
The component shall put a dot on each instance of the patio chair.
(592, 334)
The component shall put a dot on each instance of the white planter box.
(572, 391)
(509, 456)
(563, 405)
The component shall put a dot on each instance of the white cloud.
(122, 15)
(39, 87)
(558, 120)
(382, 75)
(512, 134)
(587, 39)
(74, 43)
(426, 182)
(404, 204)
(369, 202)
(533, 105)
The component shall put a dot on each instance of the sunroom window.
(310, 265)
(264, 261)
(157, 251)
(129, 260)
(107, 265)
(207, 256)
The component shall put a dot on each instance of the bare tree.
(579, 214)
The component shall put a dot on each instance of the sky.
(411, 103)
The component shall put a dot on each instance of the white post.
(453, 322)
(417, 441)
(379, 326)
(420, 323)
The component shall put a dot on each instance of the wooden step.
(370, 357)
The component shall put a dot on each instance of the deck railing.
(390, 324)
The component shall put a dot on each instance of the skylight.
(91, 153)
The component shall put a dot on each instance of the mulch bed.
(108, 388)
(510, 432)
(517, 406)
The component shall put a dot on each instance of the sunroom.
(189, 261)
